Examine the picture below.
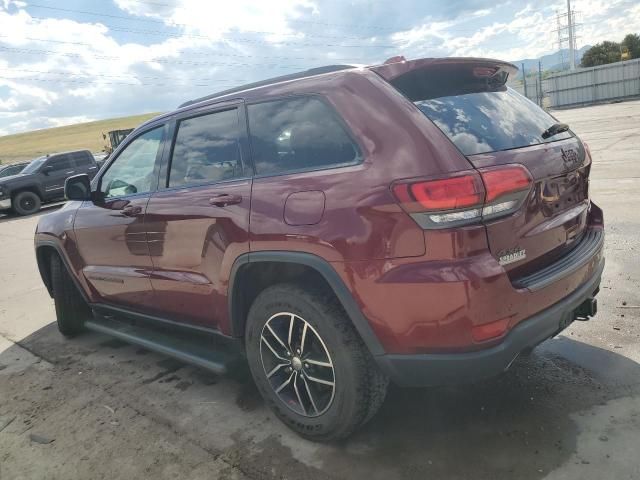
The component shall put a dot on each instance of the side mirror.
(47, 169)
(78, 187)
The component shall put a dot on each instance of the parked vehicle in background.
(100, 158)
(42, 181)
(416, 221)
(116, 137)
(12, 169)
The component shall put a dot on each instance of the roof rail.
(269, 81)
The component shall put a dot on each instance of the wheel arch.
(44, 250)
(28, 188)
(313, 267)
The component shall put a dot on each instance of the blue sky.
(67, 61)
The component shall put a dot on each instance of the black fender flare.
(321, 266)
(31, 187)
(42, 268)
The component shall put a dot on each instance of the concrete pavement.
(98, 408)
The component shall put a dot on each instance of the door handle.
(131, 210)
(69, 173)
(224, 199)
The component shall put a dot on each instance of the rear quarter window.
(301, 133)
(83, 158)
(482, 122)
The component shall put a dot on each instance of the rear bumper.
(450, 368)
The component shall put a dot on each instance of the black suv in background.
(43, 180)
(12, 169)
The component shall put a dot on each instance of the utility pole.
(524, 80)
(540, 92)
(567, 36)
(572, 53)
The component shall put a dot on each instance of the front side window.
(133, 170)
(34, 165)
(297, 134)
(206, 149)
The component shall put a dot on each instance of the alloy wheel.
(297, 364)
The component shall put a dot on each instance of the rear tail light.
(464, 197)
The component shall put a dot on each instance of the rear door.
(493, 125)
(198, 220)
(85, 163)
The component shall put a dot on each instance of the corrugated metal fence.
(583, 86)
(595, 84)
(535, 90)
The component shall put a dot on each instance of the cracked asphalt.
(96, 408)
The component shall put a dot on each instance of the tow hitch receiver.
(586, 309)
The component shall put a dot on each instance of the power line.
(351, 26)
(184, 25)
(117, 28)
(203, 54)
(92, 82)
(168, 62)
(311, 22)
(126, 76)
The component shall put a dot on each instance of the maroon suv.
(417, 221)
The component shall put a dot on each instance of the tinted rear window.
(206, 149)
(489, 121)
(299, 133)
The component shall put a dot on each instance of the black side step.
(197, 350)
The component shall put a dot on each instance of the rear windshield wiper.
(555, 129)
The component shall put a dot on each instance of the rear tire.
(331, 353)
(26, 203)
(71, 309)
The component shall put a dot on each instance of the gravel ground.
(98, 408)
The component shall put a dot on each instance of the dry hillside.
(28, 145)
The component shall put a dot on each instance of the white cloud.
(215, 19)
(55, 70)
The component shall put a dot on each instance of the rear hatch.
(494, 126)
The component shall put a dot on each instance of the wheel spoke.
(306, 386)
(275, 369)
(277, 337)
(319, 380)
(276, 354)
(291, 321)
(295, 388)
(318, 363)
(304, 336)
(285, 383)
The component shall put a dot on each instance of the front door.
(54, 172)
(197, 221)
(110, 230)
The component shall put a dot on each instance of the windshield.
(34, 165)
(491, 121)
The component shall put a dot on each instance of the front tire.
(26, 203)
(310, 365)
(71, 309)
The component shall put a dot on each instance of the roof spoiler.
(496, 70)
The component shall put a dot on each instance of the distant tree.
(632, 42)
(601, 54)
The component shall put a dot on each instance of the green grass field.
(25, 146)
